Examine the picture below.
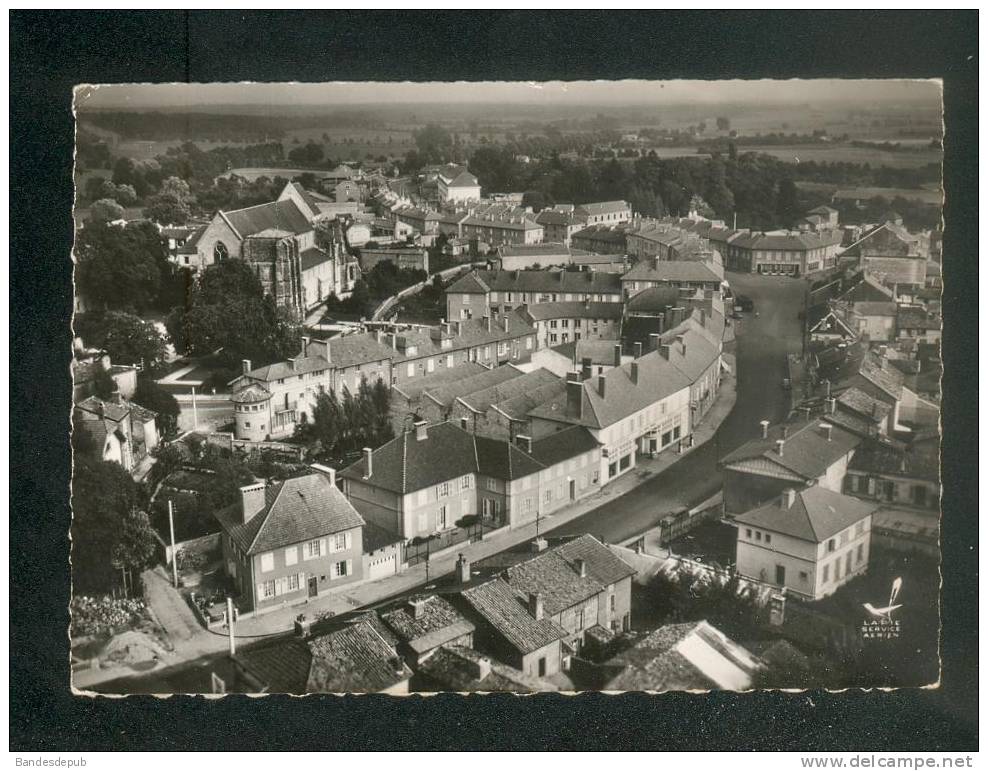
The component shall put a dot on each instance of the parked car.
(745, 303)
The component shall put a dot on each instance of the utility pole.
(195, 414)
(171, 527)
(229, 621)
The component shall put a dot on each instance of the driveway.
(762, 344)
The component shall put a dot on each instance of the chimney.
(832, 406)
(536, 607)
(116, 397)
(574, 396)
(658, 260)
(305, 345)
(505, 320)
(581, 567)
(617, 355)
(416, 606)
(634, 370)
(368, 462)
(525, 442)
(779, 446)
(828, 431)
(421, 430)
(654, 341)
(602, 386)
(488, 323)
(587, 368)
(325, 471)
(664, 349)
(764, 424)
(788, 498)
(703, 317)
(681, 339)
(480, 667)
(539, 545)
(302, 625)
(638, 350)
(462, 569)
(785, 430)
(826, 388)
(245, 363)
(806, 412)
(251, 500)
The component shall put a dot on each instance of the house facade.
(562, 322)
(682, 275)
(121, 431)
(289, 542)
(809, 542)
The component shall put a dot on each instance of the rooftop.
(437, 623)
(574, 310)
(457, 668)
(815, 515)
(916, 462)
(672, 270)
(506, 611)
(295, 511)
(277, 215)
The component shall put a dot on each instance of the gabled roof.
(295, 511)
(690, 656)
(534, 250)
(912, 317)
(875, 308)
(106, 409)
(307, 198)
(600, 352)
(503, 460)
(557, 281)
(446, 394)
(603, 207)
(455, 668)
(310, 258)
(655, 299)
(481, 401)
(858, 401)
(869, 366)
(278, 215)
(574, 310)
(355, 659)
(868, 288)
(463, 179)
(815, 515)
(506, 611)
(282, 369)
(563, 445)
(413, 389)
(917, 462)
(602, 563)
(799, 241)
(672, 270)
(806, 450)
(438, 624)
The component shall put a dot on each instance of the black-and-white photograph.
(386, 387)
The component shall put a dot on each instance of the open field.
(925, 195)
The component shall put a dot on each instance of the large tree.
(110, 532)
(120, 268)
(434, 143)
(151, 395)
(128, 339)
(229, 310)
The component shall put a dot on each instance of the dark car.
(744, 302)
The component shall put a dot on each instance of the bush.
(105, 615)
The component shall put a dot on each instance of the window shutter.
(322, 547)
(347, 540)
(349, 567)
(260, 592)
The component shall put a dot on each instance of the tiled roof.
(355, 659)
(602, 563)
(506, 612)
(912, 317)
(862, 403)
(455, 668)
(313, 257)
(472, 333)
(279, 215)
(463, 179)
(281, 666)
(806, 452)
(481, 401)
(413, 389)
(471, 283)
(563, 445)
(283, 369)
(657, 379)
(518, 407)
(534, 250)
(445, 395)
(556, 578)
(552, 217)
(610, 233)
(251, 393)
(816, 514)
(104, 408)
(655, 299)
(540, 281)
(790, 241)
(875, 308)
(868, 288)
(600, 352)
(503, 460)
(672, 270)
(295, 511)
(310, 202)
(574, 310)
(440, 623)
(603, 207)
(872, 368)
(689, 656)
(916, 462)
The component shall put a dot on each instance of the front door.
(780, 575)
(572, 489)
(313, 586)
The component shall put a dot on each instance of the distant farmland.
(924, 195)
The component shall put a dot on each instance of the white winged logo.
(886, 612)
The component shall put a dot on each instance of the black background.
(52, 51)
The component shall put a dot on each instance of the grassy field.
(932, 197)
(849, 154)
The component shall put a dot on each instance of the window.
(267, 589)
(826, 573)
(758, 535)
(441, 523)
(768, 538)
(341, 541)
(613, 603)
(341, 569)
(293, 582)
(267, 562)
(596, 476)
(831, 545)
(247, 424)
(492, 484)
(860, 552)
(528, 504)
(548, 496)
(430, 365)
(747, 532)
(465, 482)
(443, 490)
(804, 576)
(410, 369)
(312, 550)
(291, 555)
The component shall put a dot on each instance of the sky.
(631, 92)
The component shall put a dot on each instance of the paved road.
(762, 344)
(211, 414)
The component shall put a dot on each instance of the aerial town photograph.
(405, 388)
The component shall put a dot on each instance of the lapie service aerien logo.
(881, 623)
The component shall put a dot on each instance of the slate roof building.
(604, 212)
(680, 274)
(290, 541)
(694, 656)
(456, 183)
(121, 431)
(561, 322)
(460, 668)
(796, 454)
(354, 658)
(426, 480)
(783, 253)
(422, 625)
(809, 542)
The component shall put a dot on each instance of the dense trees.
(344, 425)
(151, 395)
(309, 154)
(128, 339)
(121, 267)
(105, 210)
(229, 310)
(434, 144)
(110, 531)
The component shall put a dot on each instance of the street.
(762, 343)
